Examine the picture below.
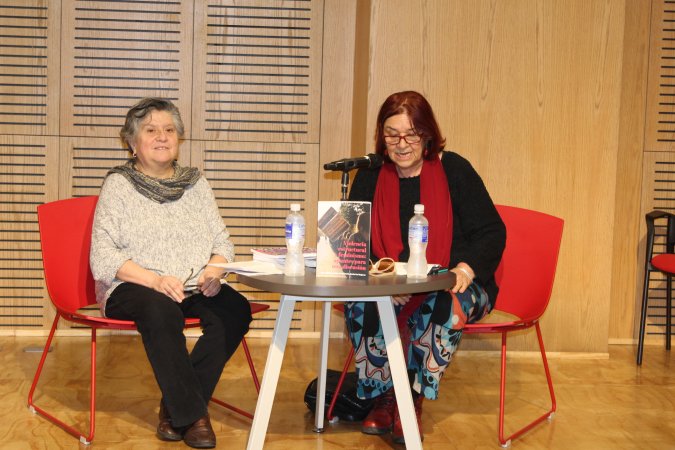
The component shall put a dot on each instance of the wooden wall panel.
(254, 184)
(28, 178)
(87, 61)
(660, 120)
(529, 92)
(658, 192)
(343, 97)
(29, 67)
(115, 53)
(627, 219)
(85, 163)
(344, 88)
(258, 70)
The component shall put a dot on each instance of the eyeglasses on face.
(409, 138)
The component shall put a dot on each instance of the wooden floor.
(602, 403)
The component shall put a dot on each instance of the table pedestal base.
(276, 353)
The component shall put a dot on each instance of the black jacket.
(478, 233)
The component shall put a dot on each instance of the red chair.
(664, 263)
(525, 278)
(65, 236)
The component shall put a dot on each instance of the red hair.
(421, 116)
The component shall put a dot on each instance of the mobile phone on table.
(436, 269)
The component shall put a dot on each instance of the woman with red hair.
(466, 235)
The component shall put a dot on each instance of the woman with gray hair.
(156, 230)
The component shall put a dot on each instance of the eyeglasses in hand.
(190, 288)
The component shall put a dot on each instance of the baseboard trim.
(295, 334)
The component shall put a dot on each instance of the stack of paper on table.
(277, 255)
(252, 267)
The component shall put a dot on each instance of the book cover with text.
(343, 239)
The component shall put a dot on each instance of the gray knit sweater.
(173, 238)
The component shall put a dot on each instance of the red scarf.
(386, 229)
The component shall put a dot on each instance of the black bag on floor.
(348, 406)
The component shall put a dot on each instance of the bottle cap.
(295, 207)
(419, 208)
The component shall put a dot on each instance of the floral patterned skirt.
(429, 337)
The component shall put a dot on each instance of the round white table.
(327, 290)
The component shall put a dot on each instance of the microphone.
(371, 160)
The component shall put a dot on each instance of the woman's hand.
(170, 286)
(164, 284)
(464, 277)
(209, 282)
(400, 300)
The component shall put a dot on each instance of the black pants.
(187, 380)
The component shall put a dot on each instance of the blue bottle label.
(419, 233)
(295, 231)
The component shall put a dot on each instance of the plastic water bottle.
(418, 236)
(294, 265)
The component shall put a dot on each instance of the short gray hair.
(140, 111)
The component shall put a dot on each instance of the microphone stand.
(345, 183)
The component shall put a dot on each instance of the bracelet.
(465, 272)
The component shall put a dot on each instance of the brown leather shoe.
(381, 417)
(165, 430)
(200, 434)
(397, 432)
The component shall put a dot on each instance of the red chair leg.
(549, 380)
(256, 382)
(92, 391)
(505, 442)
(251, 366)
(345, 369)
(92, 400)
(38, 372)
(502, 389)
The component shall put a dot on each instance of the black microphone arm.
(371, 160)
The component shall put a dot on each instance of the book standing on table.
(343, 243)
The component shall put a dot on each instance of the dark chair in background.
(664, 262)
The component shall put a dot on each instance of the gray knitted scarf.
(160, 190)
